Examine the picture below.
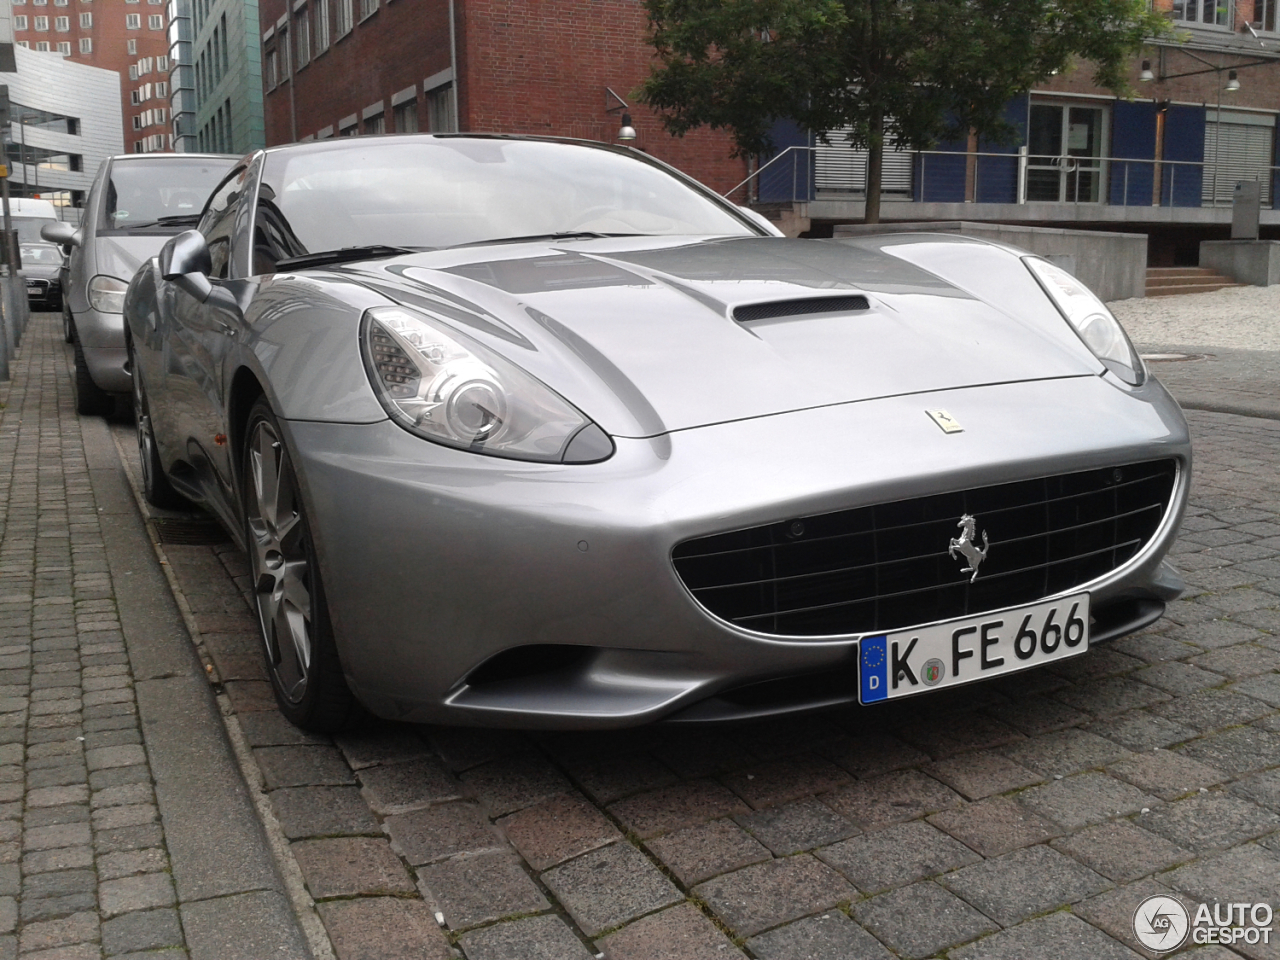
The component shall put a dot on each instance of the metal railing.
(796, 174)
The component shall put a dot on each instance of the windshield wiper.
(373, 251)
(181, 220)
(565, 235)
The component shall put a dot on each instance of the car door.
(201, 337)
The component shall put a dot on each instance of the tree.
(907, 72)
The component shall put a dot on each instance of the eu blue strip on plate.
(873, 668)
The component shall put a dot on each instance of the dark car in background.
(135, 204)
(41, 267)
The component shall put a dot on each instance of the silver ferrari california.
(529, 432)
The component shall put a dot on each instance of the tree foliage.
(907, 72)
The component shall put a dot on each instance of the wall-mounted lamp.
(1146, 76)
(1233, 82)
(626, 132)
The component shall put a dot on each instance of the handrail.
(762, 169)
(1109, 192)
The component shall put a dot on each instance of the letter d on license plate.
(972, 648)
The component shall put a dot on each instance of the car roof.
(333, 143)
(165, 157)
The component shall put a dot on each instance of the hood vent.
(799, 308)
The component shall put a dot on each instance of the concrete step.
(1171, 281)
(1153, 272)
(1156, 290)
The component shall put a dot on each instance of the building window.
(19, 23)
(341, 17)
(375, 124)
(156, 21)
(59, 3)
(1264, 14)
(42, 23)
(137, 123)
(368, 8)
(1217, 12)
(135, 97)
(440, 118)
(19, 3)
(86, 45)
(64, 48)
(302, 38)
(24, 44)
(407, 117)
(162, 89)
(43, 46)
(62, 24)
(132, 46)
(86, 20)
(347, 131)
(162, 64)
(320, 24)
(133, 21)
(40, 3)
(133, 71)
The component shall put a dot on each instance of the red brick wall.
(542, 66)
(400, 45)
(525, 66)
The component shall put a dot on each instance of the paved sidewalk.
(126, 829)
(1020, 819)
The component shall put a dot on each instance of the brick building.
(126, 37)
(1165, 162)
(344, 67)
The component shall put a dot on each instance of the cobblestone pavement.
(102, 735)
(1020, 819)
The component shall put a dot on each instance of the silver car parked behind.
(136, 202)
(518, 431)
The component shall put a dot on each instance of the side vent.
(799, 308)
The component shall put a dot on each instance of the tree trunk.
(875, 168)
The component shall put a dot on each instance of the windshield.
(441, 192)
(40, 253)
(28, 228)
(142, 192)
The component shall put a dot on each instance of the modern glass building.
(215, 76)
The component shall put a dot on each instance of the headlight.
(435, 384)
(1091, 320)
(106, 294)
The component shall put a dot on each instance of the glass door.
(1064, 153)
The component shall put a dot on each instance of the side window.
(219, 221)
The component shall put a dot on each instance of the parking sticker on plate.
(972, 648)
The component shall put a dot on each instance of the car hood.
(121, 255)
(650, 335)
(40, 271)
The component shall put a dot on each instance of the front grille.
(887, 567)
(37, 286)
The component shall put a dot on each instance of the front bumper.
(436, 560)
(102, 340)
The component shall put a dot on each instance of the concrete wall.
(1112, 265)
(47, 81)
(1249, 261)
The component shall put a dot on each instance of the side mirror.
(185, 261)
(61, 233)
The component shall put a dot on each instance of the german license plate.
(973, 648)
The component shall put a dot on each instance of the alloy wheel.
(280, 556)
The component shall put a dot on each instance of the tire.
(155, 484)
(91, 399)
(297, 635)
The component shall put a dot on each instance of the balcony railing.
(801, 174)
